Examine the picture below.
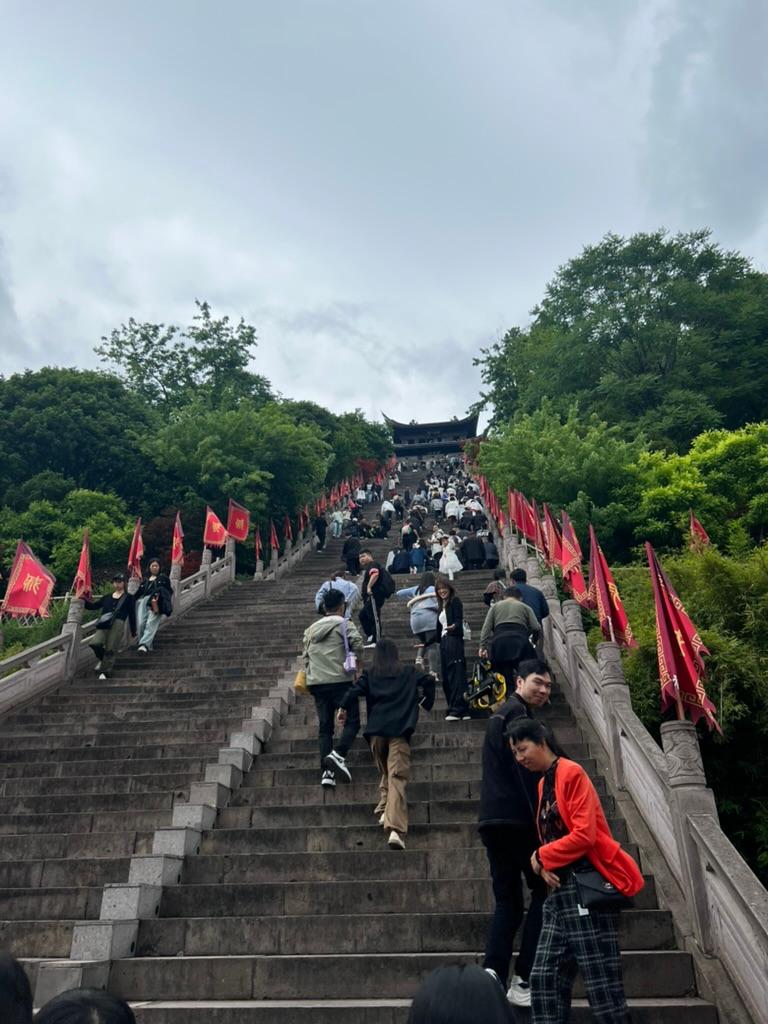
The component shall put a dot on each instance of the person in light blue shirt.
(422, 601)
(340, 582)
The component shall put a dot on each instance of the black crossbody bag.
(105, 621)
(596, 893)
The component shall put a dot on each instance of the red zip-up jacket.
(588, 832)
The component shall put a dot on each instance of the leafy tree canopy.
(169, 366)
(663, 334)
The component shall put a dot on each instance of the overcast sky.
(381, 188)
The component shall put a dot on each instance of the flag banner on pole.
(538, 539)
(214, 534)
(553, 538)
(257, 544)
(573, 577)
(136, 552)
(287, 528)
(699, 536)
(679, 650)
(238, 521)
(82, 586)
(177, 544)
(30, 585)
(604, 597)
(274, 543)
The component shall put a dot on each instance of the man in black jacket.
(507, 824)
(374, 594)
(472, 552)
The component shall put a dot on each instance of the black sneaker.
(336, 764)
(327, 779)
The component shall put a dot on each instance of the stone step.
(688, 1010)
(167, 723)
(104, 821)
(103, 766)
(85, 802)
(308, 977)
(424, 896)
(360, 757)
(66, 872)
(74, 903)
(14, 743)
(363, 933)
(52, 754)
(74, 845)
(104, 782)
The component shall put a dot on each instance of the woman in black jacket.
(393, 696)
(154, 598)
(453, 665)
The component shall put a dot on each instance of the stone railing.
(727, 904)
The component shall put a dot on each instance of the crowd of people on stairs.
(540, 818)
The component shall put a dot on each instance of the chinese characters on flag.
(238, 521)
(177, 545)
(214, 534)
(30, 585)
(570, 555)
(83, 585)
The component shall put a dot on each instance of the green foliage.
(662, 334)
(15, 637)
(727, 598)
(350, 435)
(169, 367)
(65, 425)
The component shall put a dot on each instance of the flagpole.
(610, 627)
(678, 701)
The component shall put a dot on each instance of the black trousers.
(353, 565)
(508, 647)
(328, 698)
(509, 849)
(453, 675)
(370, 617)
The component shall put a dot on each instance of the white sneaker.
(327, 779)
(102, 676)
(519, 992)
(368, 647)
(395, 841)
(143, 649)
(381, 817)
(466, 718)
(452, 718)
(336, 764)
(97, 667)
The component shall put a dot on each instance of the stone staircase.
(294, 908)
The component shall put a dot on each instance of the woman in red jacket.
(573, 833)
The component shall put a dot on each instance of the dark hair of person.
(427, 580)
(386, 658)
(535, 731)
(514, 592)
(154, 561)
(443, 581)
(86, 1006)
(518, 575)
(460, 995)
(366, 551)
(341, 571)
(332, 599)
(499, 574)
(15, 992)
(533, 666)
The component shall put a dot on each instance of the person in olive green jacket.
(328, 644)
(505, 638)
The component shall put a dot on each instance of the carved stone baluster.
(229, 551)
(614, 693)
(576, 641)
(205, 566)
(73, 628)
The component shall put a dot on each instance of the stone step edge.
(95, 944)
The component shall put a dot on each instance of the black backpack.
(385, 585)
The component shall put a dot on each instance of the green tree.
(76, 426)
(170, 367)
(664, 334)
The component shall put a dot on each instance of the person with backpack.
(116, 609)
(505, 636)
(331, 650)
(507, 826)
(377, 586)
(401, 562)
(423, 605)
(339, 581)
(350, 552)
(393, 695)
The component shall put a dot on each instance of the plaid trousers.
(571, 942)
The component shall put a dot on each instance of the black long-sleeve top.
(454, 617)
(159, 587)
(109, 603)
(392, 701)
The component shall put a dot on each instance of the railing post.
(688, 794)
(259, 571)
(614, 692)
(205, 565)
(533, 571)
(175, 581)
(229, 551)
(273, 560)
(548, 588)
(73, 627)
(576, 640)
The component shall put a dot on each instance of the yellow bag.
(300, 682)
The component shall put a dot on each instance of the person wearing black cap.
(507, 826)
(115, 610)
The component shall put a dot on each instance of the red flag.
(699, 536)
(273, 541)
(257, 544)
(83, 584)
(604, 596)
(30, 585)
(177, 544)
(238, 521)
(528, 520)
(679, 650)
(214, 534)
(136, 553)
(512, 508)
(287, 528)
(538, 538)
(553, 538)
(573, 578)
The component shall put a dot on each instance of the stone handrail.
(728, 906)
